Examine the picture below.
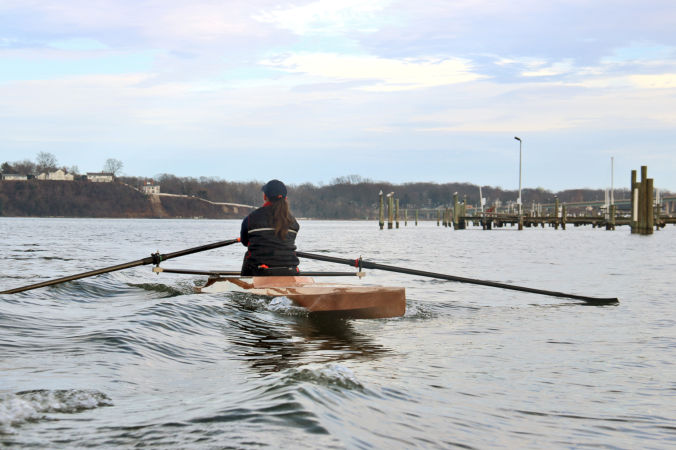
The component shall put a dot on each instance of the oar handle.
(154, 258)
(371, 265)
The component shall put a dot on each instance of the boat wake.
(280, 305)
(330, 375)
(32, 406)
(286, 306)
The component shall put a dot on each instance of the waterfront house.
(149, 187)
(100, 177)
(13, 177)
(58, 175)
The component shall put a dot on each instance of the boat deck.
(346, 300)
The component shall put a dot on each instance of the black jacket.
(265, 248)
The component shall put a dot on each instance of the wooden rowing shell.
(342, 300)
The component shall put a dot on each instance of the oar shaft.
(80, 275)
(153, 259)
(372, 265)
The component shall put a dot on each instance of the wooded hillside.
(352, 197)
(40, 198)
(345, 198)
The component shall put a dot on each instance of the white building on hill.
(100, 177)
(59, 175)
(149, 187)
(13, 176)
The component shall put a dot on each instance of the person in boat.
(270, 234)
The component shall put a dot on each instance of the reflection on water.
(272, 343)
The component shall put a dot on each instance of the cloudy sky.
(306, 91)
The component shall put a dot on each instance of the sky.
(307, 91)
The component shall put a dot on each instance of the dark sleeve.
(244, 232)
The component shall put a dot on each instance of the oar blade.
(601, 301)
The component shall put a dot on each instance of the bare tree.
(45, 162)
(113, 166)
(25, 167)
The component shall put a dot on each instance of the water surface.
(133, 358)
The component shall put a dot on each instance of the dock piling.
(390, 211)
(642, 216)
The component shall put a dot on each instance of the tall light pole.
(519, 200)
(612, 181)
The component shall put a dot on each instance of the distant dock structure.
(644, 212)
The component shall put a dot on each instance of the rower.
(270, 234)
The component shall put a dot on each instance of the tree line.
(46, 162)
(354, 197)
(347, 197)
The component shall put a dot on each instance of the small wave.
(286, 306)
(281, 305)
(163, 289)
(34, 259)
(430, 310)
(30, 406)
(415, 310)
(107, 286)
(84, 289)
(326, 375)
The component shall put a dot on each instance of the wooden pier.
(641, 212)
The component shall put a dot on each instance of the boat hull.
(340, 300)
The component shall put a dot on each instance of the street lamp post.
(519, 200)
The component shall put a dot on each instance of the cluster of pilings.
(645, 213)
(642, 204)
(392, 212)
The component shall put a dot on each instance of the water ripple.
(31, 406)
(467, 366)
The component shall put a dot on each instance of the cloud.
(78, 44)
(659, 81)
(120, 23)
(379, 74)
(549, 70)
(327, 17)
(219, 77)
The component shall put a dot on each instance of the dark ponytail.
(281, 216)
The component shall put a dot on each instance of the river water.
(133, 358)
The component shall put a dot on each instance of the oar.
(371, 265)
(154, 258)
